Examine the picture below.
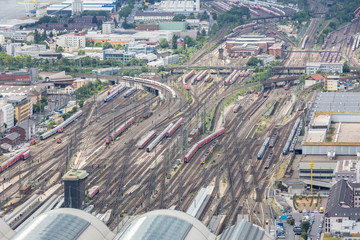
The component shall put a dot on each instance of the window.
(339, 220)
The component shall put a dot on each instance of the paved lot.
(298, 217)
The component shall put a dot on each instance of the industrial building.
(122, 39)
(185, 7)
(277, 49)
(73, 224)
(67, 7)
(74, 188)
(323, 172)
(249, 44)
(334, 125)
(19, 78)
(153, 16)
(312, 68)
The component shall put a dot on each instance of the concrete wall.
(346, 118)
(324, 149)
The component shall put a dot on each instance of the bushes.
(68, 114)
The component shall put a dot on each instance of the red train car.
(145, 140)
(201, 143)
(21, 155)
(120, 130)
(174, 127)
(93, 191)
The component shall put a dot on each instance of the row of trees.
(84, 65)
(88, 91)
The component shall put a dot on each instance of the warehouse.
(334, 126)
(87, 5)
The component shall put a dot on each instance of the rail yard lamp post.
(311, 169)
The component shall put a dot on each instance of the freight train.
(201, 143)
(237, 29)
(268, 160)
(120, 130)
(61, 125)
(273, 140)
(208, 152)
(23, 154)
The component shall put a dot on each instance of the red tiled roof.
(316, 77)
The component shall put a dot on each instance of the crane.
(36, 4)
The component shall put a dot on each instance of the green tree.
(107, 45)
(94, 20)
(179, 18)
(214, 15)
(51, 34)
(37, 37)
(174, 42)
(304, 235)
(59, 49)
(43, 36)
(346, 67)
(163, 43)
(305, 226)
(253, 61)
(203, 32)
(81, 52)
(204, 16)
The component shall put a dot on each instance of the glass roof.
(54, 227)
(157, 228)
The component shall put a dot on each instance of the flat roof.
(349, 132)
(317, 135)
(73, 175)
(321, 120)
(337, 102)
(318, 164)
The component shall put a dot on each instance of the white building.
(347, 170)
(77, 7)
(71, 40)
(312, 68)
(108, 27)
(180, 6)
(153, 16)
(7, 110)
(266, 58)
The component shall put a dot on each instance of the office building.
(119, 55)
(74, 188)
(312, 68)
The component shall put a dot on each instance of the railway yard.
(154, 144)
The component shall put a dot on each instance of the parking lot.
(289, 233)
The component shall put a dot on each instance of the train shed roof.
(165, 224)
(65, 224)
